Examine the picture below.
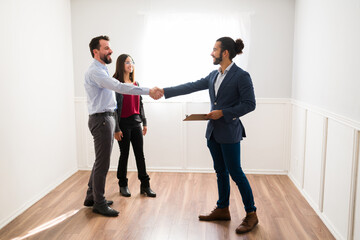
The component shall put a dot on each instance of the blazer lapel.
(227, 78)
(212, 87)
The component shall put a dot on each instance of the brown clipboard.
(196, 117)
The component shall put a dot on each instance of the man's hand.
(156, 93)
(144, 130)
(215, 115)
(118, 135)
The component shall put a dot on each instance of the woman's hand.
(118, 135)
(144, 130)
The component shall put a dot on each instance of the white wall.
(37, 137)
(271, 36)
(326, 112)
(327, 55)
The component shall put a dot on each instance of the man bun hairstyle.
(95, 43)
(239, 46)
(234, 47)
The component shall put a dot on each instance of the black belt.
(104, 114)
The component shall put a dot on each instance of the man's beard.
(218, 60)
(105, 59)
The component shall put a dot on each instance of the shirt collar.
(99, 64)
(227, 69)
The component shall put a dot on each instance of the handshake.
(156, 93)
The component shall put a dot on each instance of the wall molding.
(353, 187)
(323, 164)
(304, 151)
(162, 100)
(198, 170)
(328, 114)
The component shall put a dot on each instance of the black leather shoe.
(147, 191)
(90, 203)
(124, 191)
(105, 210)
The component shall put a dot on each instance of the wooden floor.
(283, 213)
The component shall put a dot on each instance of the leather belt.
(104, 114)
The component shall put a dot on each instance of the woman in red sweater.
(130, 112)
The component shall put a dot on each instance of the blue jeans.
(226, 159)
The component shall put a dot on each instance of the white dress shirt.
(221, 77)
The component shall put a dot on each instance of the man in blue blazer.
(232, 96)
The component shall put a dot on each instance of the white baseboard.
(266, 171)
(200, 170)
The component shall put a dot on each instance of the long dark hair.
(120, 68)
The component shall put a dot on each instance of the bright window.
(177, 47)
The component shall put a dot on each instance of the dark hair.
(234, 47)
(95, 43)
(120, 68)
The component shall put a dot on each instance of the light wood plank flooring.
(283, 213)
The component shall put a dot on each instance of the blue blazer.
(235, 98)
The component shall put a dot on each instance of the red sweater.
(131, 105)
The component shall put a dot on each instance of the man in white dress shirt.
(101, 101)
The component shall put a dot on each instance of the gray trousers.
(102, 129)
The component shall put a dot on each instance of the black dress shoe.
(105, 210)
(147, 191)
(124, 191)
(90, 203)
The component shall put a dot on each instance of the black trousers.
(132, 134)
(102, 128)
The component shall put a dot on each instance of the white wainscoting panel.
(163, 145)
(313, 156)
(197, 155)
(298, 139)
(265, 149)
(174, 145)
(338, 173)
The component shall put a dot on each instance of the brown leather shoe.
(248, 223)
(218, 214)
